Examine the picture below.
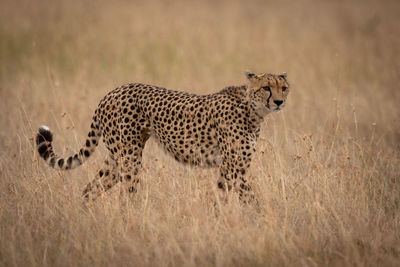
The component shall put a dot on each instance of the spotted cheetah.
(215, 130)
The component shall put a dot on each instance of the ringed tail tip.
(44, 135)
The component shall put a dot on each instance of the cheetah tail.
(44, 139)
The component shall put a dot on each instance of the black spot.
(60, 162)
(42, 149)
(87, 153)
(52, 162)
(132, 189)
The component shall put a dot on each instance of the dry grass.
(327, 170)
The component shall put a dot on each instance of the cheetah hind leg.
(125, 170)
(105, 179)
(131, 168)
(129, 175)
(132, 162)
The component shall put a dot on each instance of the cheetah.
(215, 130)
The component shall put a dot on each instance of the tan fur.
(216, 130)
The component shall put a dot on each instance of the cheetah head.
(267, 92)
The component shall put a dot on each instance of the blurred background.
(330, 160)
(343, 50)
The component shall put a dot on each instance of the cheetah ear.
(283, 75)
(253, 81)
(250, 75)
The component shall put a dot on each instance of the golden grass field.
(326, 171)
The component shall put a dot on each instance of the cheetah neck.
(239, 93)
(254, 119)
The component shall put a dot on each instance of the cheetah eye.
(266, 88)
(284, 88)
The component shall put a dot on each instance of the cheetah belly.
(188, 149)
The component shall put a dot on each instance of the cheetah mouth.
(276, 109)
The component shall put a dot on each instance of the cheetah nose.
(278, 102)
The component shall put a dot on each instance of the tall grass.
(327, 168)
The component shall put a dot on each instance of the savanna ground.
(327, 169)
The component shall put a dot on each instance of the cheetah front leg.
(236, 160)
(232, 178)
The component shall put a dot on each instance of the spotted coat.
(215, 130)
